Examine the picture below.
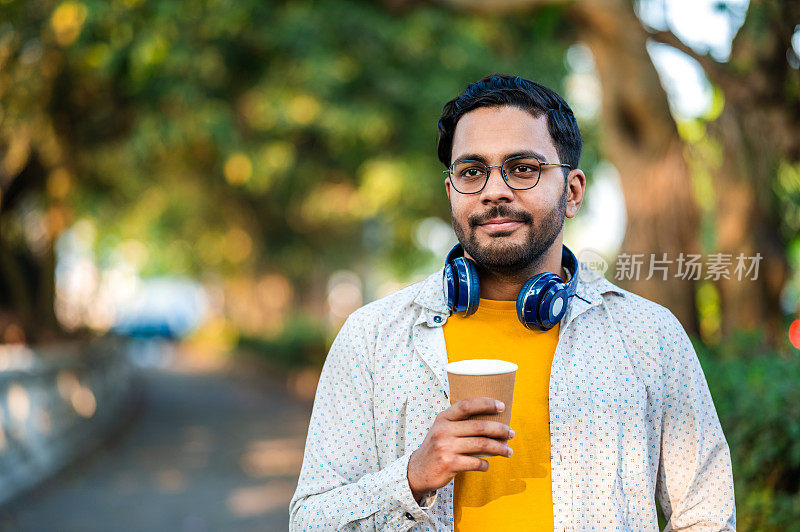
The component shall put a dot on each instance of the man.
(611, 408)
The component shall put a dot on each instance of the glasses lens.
(522, 172)
(468, 176)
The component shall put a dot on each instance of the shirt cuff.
(427, 500)
(409, 512)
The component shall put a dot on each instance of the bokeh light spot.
(303, 109)
(794, 333)
(83, 401)
(67, 21)
(19, 403)
(238, 169)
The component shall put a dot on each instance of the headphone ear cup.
(534, 301)
(474, 288)
(553, 305)
(468, 291)
(450, 286)
(528, 302)
(461, 280)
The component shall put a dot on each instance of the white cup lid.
(481, 366)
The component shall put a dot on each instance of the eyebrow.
(484, 160)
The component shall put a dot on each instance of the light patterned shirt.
(631, 419)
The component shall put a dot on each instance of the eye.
(524, 168)
(470, 171)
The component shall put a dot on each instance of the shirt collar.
(588, 293)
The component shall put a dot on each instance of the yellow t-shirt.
(516, 492)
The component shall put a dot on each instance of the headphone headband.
(570, 263)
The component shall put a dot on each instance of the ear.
(447, 187)
(576, 186)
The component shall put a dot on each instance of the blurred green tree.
(235, 137)
(292, 137)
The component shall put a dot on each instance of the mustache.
(499, 211)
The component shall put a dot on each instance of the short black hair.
(502, 89)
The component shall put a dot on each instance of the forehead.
(495, 132)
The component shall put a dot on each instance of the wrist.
(417, 492)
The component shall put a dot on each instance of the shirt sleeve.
(342, 485)
(695, 480)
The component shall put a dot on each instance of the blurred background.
(195, 195)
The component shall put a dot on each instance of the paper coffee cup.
(483, 377)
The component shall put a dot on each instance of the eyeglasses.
(520, 173)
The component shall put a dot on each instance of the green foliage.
(757, 396)
(295, 122)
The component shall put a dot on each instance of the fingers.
(469, 463)
(481, 427)
(474, 405)
(482, 445)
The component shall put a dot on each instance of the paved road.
(206, 451)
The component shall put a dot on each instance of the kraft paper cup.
(483, 377)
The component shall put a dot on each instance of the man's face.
(533, 218)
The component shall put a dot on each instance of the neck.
(503, 286)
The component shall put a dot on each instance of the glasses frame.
(449, 171)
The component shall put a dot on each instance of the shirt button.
(409, 516)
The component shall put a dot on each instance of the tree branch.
(713, 69)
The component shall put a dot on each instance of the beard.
(508, 257)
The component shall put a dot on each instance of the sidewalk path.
(207, 451)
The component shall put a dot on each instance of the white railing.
(57, 402)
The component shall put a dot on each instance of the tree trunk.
(758, 129)
(746, 227)
(640, 138)
(27, 279)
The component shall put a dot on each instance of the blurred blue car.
(164, 307)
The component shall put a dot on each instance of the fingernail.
(510, 451)
(500, 406)
(512, 433)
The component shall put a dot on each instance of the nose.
(496, 189)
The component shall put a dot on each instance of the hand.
(451, 438)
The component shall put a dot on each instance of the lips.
(501, 224)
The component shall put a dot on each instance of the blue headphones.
(541, 303)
